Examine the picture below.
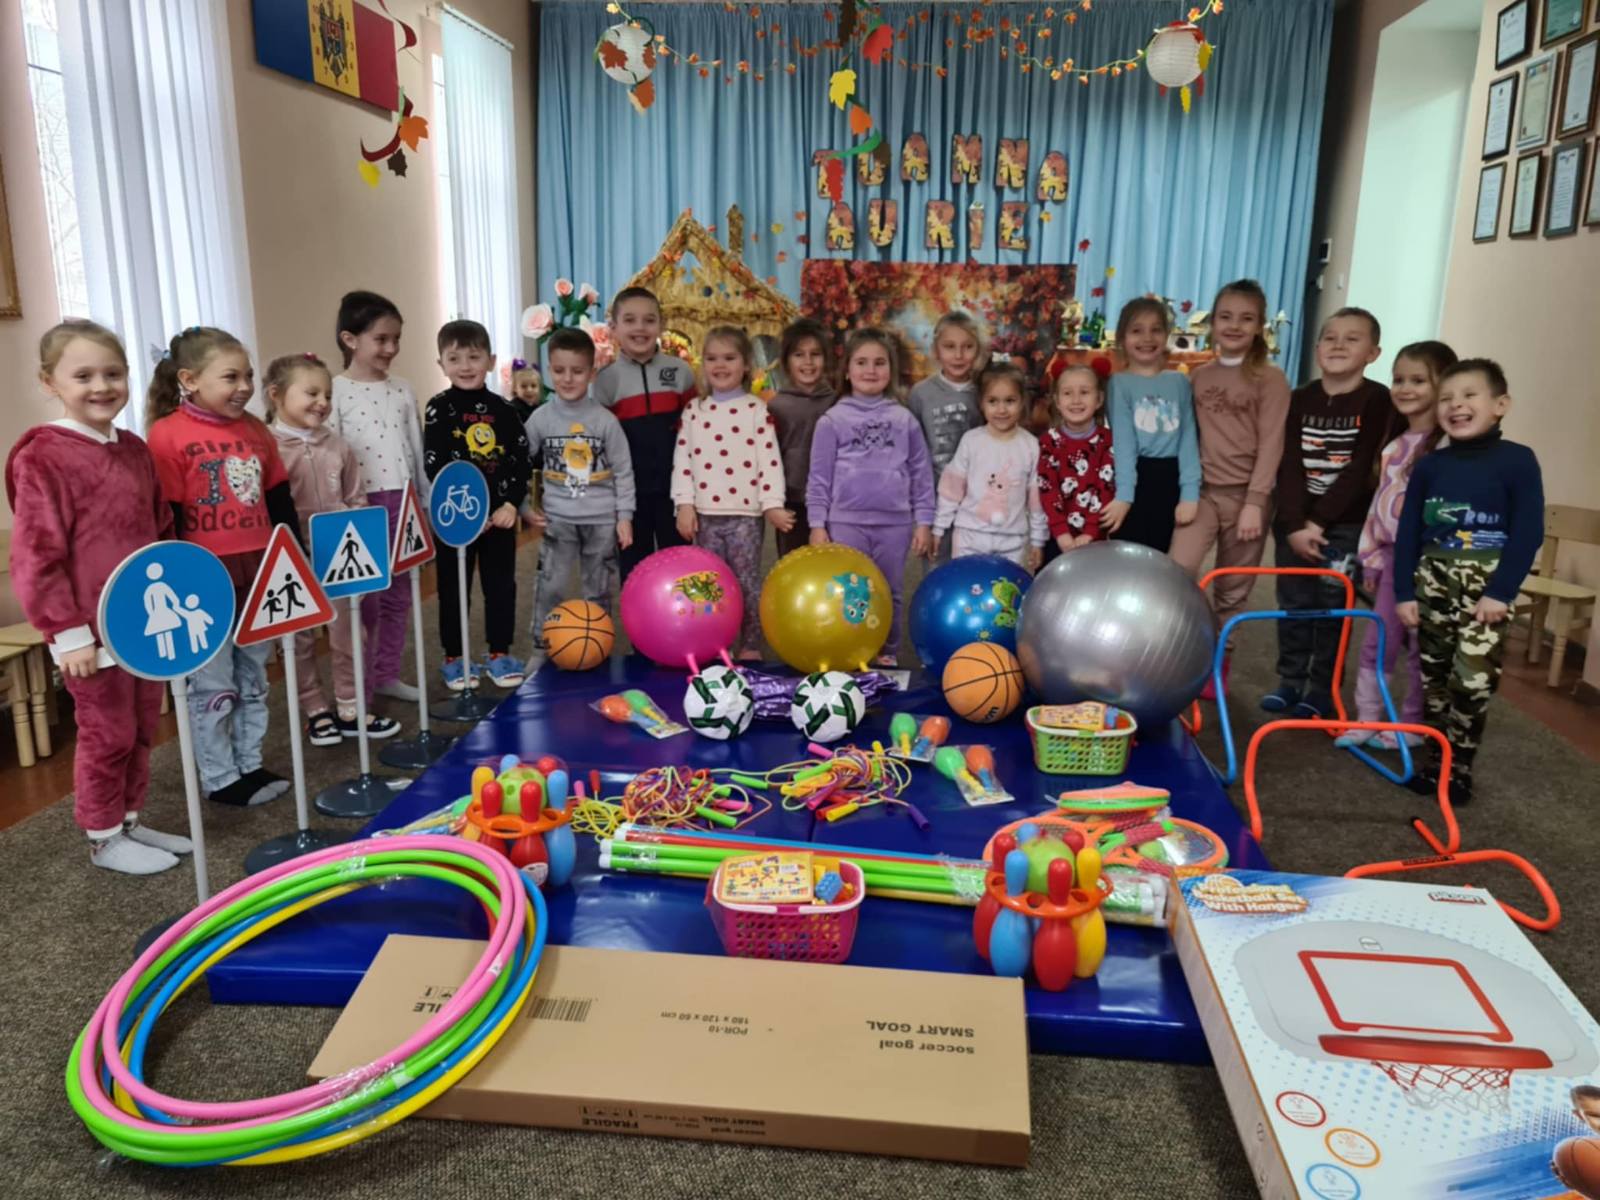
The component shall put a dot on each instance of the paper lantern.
(625, 52)
(1173, 56)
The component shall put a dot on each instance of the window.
(439, 132)
(55, 154)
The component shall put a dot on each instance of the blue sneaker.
(1313, 708)
(1280, 700)
(455, 674)
(504, 670)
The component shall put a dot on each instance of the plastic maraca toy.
(933, 733)
(902, 729)
(947, 760)
(980, 761)
(615, 708)
(641, 703)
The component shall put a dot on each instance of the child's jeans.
(1307, 649)
(1369, 700)
(228, 714)
(588, 550)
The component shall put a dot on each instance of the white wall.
(1409, 175)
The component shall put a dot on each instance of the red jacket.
(1077, 478)
(79, 508)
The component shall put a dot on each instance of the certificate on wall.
(1497, 121)
(1591, 208)
(1538, 94)
(1525, 196)
(1513, 39)
(1566, 187)
(1562, 18)
(1577, 89)
(1491, 185)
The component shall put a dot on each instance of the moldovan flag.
(340, 44)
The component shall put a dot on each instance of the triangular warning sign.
(352, 562)
(413, 539)
(285, 597)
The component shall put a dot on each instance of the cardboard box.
(923, 1065)
(1380, 1039)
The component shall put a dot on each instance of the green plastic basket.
(1080, 751)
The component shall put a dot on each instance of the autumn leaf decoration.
(877, 41)
(409, 130)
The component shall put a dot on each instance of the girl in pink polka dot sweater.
(727, 473)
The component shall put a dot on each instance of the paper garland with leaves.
(409, 129)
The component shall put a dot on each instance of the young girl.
(377, 417)
(323, 477)
(220, 470)
(1241, 404)
(1077, 478)
(727, 473)
(1415, 392)
(1152, 426)
(806, 355)
(527, 389)
(987, 495)
(871, 484)
(84, 495)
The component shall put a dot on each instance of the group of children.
(1412, 484)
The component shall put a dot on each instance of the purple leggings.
(1369, 701)
(887, 546)
(383, 614)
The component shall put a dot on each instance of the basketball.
(1576, 1163)
(983, 683)
(578, 635)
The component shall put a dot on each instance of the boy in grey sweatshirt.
(584, 475)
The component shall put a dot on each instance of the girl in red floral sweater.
(1077, 478)
(84, 495)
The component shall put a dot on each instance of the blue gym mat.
(1136, 1007)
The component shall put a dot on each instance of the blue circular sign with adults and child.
(458, 504)
(167, 610)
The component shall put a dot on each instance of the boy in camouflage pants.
(1472, 524)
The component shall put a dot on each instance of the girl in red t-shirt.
(220, 470)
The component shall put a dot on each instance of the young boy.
(647, 391)
(1586, 1105)
(1336, 427)
(583, 463)
(946, 402)
(468, 422)
(1472, 524)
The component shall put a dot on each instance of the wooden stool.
(14, 690)
(1566, 608)
(40, 684)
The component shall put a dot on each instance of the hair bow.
(518, 364)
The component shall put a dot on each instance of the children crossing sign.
(285, 597)
(413, 540)
(350, 551)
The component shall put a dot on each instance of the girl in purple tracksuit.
(871, 482)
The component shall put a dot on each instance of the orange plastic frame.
(1446, 853)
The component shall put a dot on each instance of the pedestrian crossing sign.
(285, 598)
(413, 540)
(350, 551)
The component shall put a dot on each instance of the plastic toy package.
(637, 708)
(972, 770)
(916, 737)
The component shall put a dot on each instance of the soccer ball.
(827, 706)
(718, 703)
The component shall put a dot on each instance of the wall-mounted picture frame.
(1562, 19)
(1491, 190)
(1575, 112)
(1526, 186)
(1537, 103)
(1591, 207)
(1513, 39)
(10, 296)
(1498, 116)
(1563, 205)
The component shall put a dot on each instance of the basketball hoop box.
(1385, 1040)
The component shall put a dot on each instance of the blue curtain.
(1176, 204)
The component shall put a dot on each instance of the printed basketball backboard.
(1359, 989)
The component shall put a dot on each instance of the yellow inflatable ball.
(826, 608)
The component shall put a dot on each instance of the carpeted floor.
(1101, 1128)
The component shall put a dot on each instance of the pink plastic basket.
(795, 932)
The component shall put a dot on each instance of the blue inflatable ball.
(972, 599)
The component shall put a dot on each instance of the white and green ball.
(718, 703)
(827, 706)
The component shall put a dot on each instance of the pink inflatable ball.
(682, 606)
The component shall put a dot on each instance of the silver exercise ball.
(1120, 623)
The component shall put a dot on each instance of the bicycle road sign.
(458, 505)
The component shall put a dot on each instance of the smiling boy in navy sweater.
(1471, 527)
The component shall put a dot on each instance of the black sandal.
(323, 730)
